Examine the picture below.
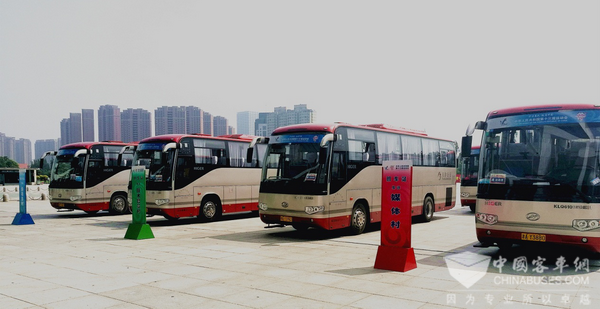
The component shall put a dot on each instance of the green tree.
(7, 162)
(45, 170)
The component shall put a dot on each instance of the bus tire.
(210, 209)
(472, 207)
(359, 219)
(118, 204)
(428, 209)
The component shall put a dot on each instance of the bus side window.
(369, 154)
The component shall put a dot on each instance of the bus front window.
(542, 163)
(68, 169)
(158, 164)
(295, 167)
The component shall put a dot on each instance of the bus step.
(269, 226)
(64, 210)
(482, 245)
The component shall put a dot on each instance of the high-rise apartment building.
(260, 125)
(221, 126)
(136, 124)
(109, 123)
(70, 129)
(23, 151)
(245, 122)
(281, 116)
(75, 132)
(88, 125)
(169, 120)
(79, 127)
(7, 146)
(208, 127)
(44, 145)
(193, 120)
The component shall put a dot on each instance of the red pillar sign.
(395, 252)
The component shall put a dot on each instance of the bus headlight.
(313, 209)
(263, 206)
(583, 225)
(75, 198)
(464, 194)
(486, 218)
(162, 201)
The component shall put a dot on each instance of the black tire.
(472, 207)
(118, 204)
(428, 209)
(359, 219)
(210, 209)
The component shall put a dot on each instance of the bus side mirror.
(47, 153)
(169, 146)
(466, 146)
(481, 125)
(249, 154)
(322, 155)
(255, 141)
(80, 152)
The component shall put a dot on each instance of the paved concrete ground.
(75, 260)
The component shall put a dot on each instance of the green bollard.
(138, 229)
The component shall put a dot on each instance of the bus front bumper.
(492, 236)
(324, 223)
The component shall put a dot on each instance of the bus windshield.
(550, 162)
(293, 167)
(68, 170)
(157, 162)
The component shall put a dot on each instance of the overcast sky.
(429, 65)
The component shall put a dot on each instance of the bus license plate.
(286, 219)
(61, 205)
(533, 237)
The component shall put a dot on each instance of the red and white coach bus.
(538, 178)
(329, 176)
(468, 178)
(90, 176)
(192, 175)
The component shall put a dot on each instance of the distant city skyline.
(132, 125)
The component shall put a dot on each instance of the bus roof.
(177, 137)
(88, 145)
(538, 109)
(313, 127)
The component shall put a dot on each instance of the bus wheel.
(472, 207)
(118, 204)
(359, 219)
(210, 209)
(427, 214)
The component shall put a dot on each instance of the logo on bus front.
(533, 216)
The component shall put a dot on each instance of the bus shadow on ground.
(74, 215)
(274, 234)
(520, 260)
(162, 221)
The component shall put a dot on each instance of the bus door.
(338, 180)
